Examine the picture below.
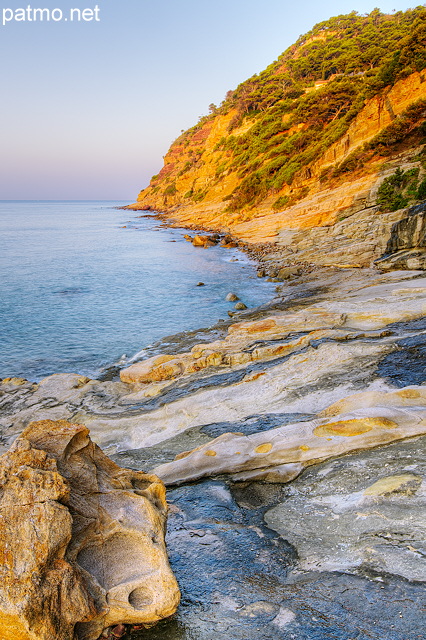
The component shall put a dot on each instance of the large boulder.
(81, 540)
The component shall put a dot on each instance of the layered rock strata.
(315, 409)
(281, 454)
(406, 247)
(330, 336)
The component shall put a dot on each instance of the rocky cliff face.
(224, 174)
(406, 248)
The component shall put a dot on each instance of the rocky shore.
(292, 440)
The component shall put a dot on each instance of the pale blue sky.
(89, 109)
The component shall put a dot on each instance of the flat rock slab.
(364, 513)
(242, 580)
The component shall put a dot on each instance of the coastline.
(254, 484)
(131, 286)
(270, 266)
(214, 425)
(258, 254)
(268, 256)
(275, 431)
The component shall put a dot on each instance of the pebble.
(232, 297)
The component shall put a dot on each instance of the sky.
(89, 107)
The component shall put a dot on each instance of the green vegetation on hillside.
(304, 102)
(398, 190)
(356, 55)
(295, 109)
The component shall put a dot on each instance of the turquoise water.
(78, 291)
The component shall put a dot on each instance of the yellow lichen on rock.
(407, 483)
(264, 448)
(355, 427)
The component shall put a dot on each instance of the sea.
(86, 285)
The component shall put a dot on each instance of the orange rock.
(320, 208)
(76, 539)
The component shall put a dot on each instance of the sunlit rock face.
(332, 224)
(310, 423)
(42, 594)
(82, 540)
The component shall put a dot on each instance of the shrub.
(397, 190)
(281, 202)
(421, 191)
(170, 190)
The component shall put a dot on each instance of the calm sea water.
(77, 291)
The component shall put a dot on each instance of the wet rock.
(254, 588)
(205, 241)
(199, 241)
(79, 537)
(228, 242)
(232, 297)
(406, 365)
(200, 284)
(17, 382)
(240, 306)
(234, 597)
(371, 308)
(338, 345)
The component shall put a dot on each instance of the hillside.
(295, 156)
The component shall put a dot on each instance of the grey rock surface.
(406, 248)
(241, 580)
(360, 513)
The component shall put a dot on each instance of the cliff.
(296, 155)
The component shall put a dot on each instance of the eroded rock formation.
(279, 455)
(315, 409)
(81, 539)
